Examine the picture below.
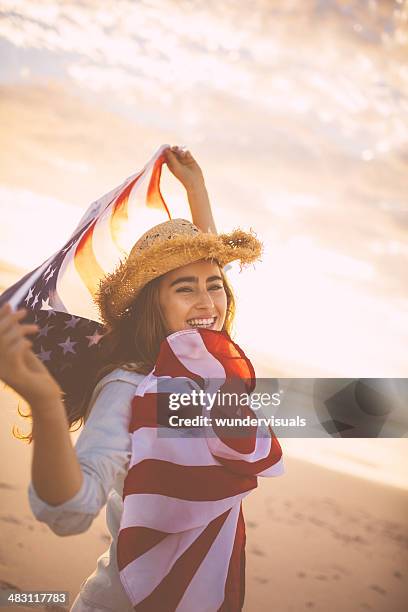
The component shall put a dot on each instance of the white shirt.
(103, 449)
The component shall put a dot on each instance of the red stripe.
(235, 583)
(240, 379)
(239, 438)
(168, 594)
(169, 365)
(233, 359)
(246, 468)
(119, 217)
(192, 483)
(152, 410)
(85, 261)
(134, 542)
(154, 198)
(149, 410)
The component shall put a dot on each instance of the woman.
(171, 284)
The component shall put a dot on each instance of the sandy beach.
(316, 539)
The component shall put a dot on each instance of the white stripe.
(261, 450)
(106, 252)
(139, 218)
(166, 384)
(190, 350)
(206, 591)
(194, 355)
(72, 290)
(142, 218)
(181, 385)
(172, 515)
(141, 576)
(275, 470)
(99, 205)
(70, 287)
(177, 449)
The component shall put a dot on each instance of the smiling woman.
(173, 505)
(194, 296)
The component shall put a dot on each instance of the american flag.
(59, 293)
(181, 543)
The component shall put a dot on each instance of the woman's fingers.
(30, 328)
(34, 364)
(12, 363)
(9, 318)
(6, 310)
(181, 153)
(18, 346)
(14, 332)
(13, 341)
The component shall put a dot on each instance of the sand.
(316, 539)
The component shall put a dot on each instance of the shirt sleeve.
(103, 450)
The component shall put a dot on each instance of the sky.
(297, 113)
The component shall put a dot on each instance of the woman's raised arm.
(184, 167)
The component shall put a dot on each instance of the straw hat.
(165, 247)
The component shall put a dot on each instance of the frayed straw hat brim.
(118, 290)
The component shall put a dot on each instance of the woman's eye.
(189, 289)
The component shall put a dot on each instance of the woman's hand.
(184, 167)
(19, 367)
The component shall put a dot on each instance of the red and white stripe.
(182, 535)
(117, 220)
(104, 236)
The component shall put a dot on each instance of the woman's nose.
(205, 300)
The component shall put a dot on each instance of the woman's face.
(193, 296)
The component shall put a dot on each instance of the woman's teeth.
(202, 322)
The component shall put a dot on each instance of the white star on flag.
(50, 275)
(44, 355)
(45, 304)
(44, 330)
(94, 339)
(35, 300)
(47, 270)
(73, 322)
(29, 296)
(68, 346)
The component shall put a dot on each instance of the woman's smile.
(193, 296)
(207, 322)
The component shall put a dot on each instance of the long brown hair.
(133, 344)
